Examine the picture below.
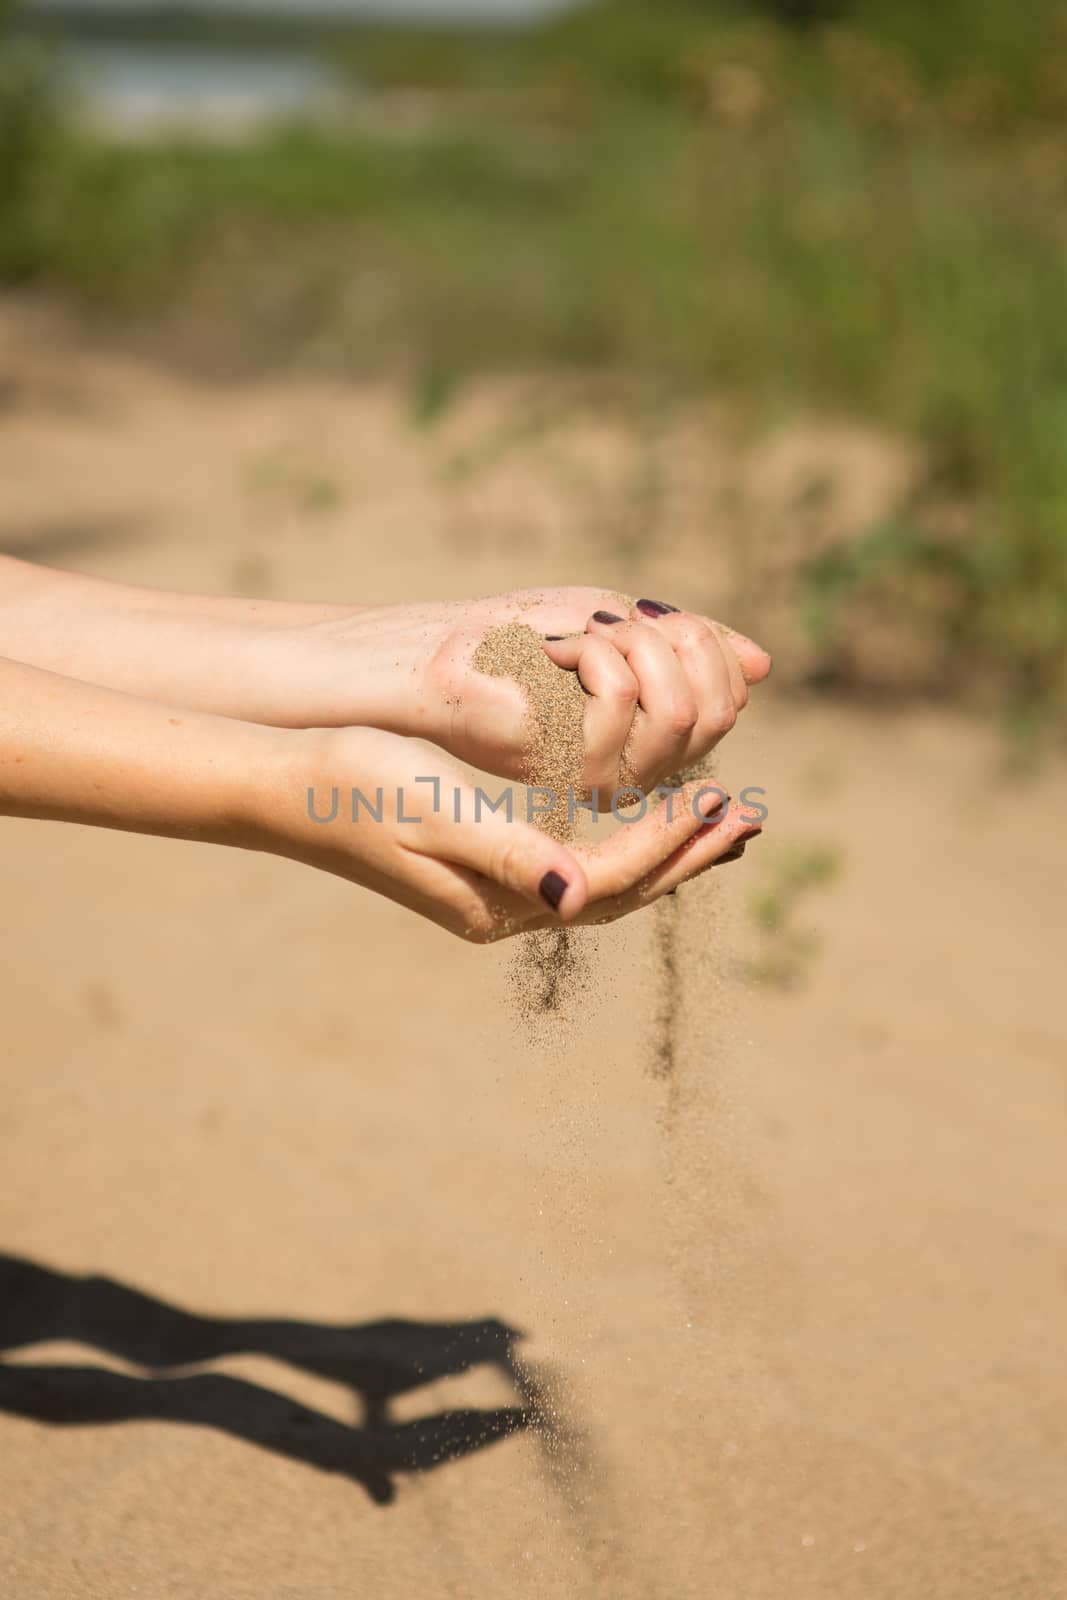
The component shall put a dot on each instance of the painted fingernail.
(655, 608)
(749, 833)
(553, 888)
(605, 616)
(731, 855)
(554, 638)
(714, 803)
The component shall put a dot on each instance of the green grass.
(868, 218)
(787, 944)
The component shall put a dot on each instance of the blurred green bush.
(31, 157)
(864, 215)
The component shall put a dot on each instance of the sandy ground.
(787, 1325)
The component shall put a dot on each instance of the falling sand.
(554, 749)
(667, 956)
(548, 970)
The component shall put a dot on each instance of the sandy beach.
(434, 1310)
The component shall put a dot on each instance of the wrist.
(365, 668)
(273, 797)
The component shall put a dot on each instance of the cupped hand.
(664, 685)
(421, 835)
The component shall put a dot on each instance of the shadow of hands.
(377, 1360)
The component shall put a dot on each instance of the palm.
(486, 724)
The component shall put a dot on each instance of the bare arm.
(663, 685)
(73, 752)
(207, 652)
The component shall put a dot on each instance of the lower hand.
(484, 878)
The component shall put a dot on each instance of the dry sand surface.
(791, 1323)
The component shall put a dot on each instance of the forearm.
(74, 752)
(234, 657)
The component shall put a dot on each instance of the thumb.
(515, 855)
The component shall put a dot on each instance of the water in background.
(138, 87)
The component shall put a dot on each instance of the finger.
(510, 853)
(466, 903)
(686, 628)
(609, 713)
(710, 845)
(714, 676)
(738, 681)
(641, 845)
(661, 734)
(753, 660)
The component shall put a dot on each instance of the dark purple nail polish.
(605, 616)
(655, 608)
(718, 811)
(749, 833)
(553, 888)
(731, 855)
(554, 638)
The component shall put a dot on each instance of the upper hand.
(664, 685)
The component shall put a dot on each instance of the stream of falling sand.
(548, 970)
(551, 974)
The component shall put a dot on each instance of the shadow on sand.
(377, 1360)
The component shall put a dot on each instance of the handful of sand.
(547, 969)
(554, 753)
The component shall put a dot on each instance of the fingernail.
(554, 638)
(714, 802)
(749, 833)
(553, 888)
(731, 855)
(654, 608)
(605, 616)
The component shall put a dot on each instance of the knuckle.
(624, 691)
(505, 859)
(617, 683)
(689, 631)
(683, 718)
(724, 718)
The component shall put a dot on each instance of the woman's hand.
(663, 685)
(415, 831)
(382, 812)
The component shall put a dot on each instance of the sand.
(794, 1318)
(551, 969)
(554, 753)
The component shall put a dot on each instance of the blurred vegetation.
(788, 944)
(800, 205)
